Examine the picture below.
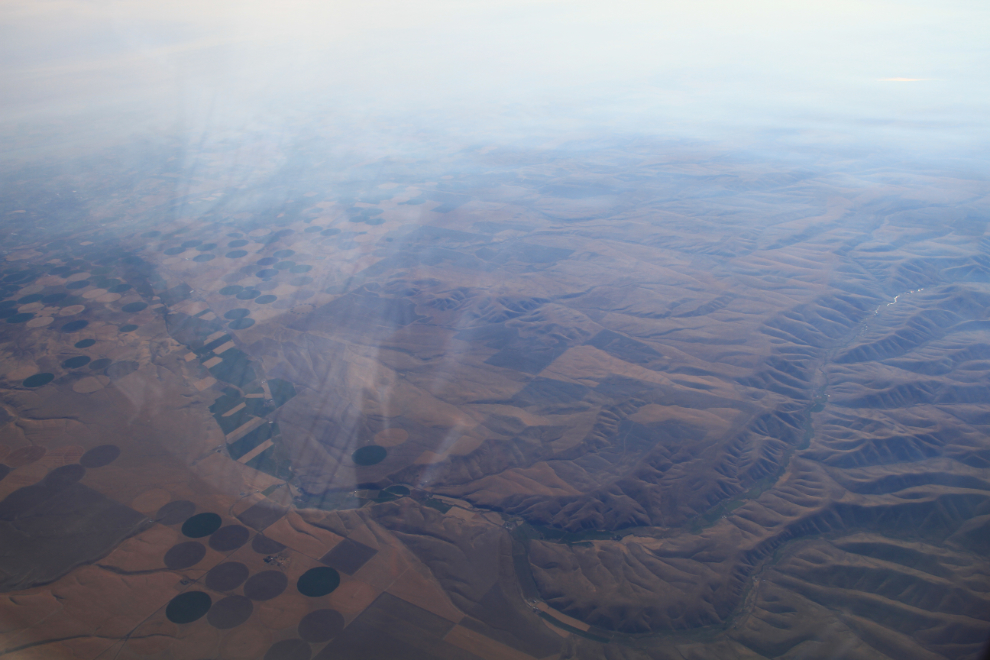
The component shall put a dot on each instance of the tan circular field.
(87, 385)
(391, 437)
(60, 456)
(25, 455)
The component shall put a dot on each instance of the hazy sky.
(905, 74)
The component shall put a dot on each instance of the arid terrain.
(628, 401)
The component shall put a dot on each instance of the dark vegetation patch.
(265, 585)
(369, 455)
(229, 538)
(261, 515)
(188, 607)
(74, 326)
(235, 368)
(201, 524)
(63, 476)
(230, 612)
(134, 307)
(266, 546)
(318, 581)
(348, 556)
(100, 456)
(38, 380)
(226, 576)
